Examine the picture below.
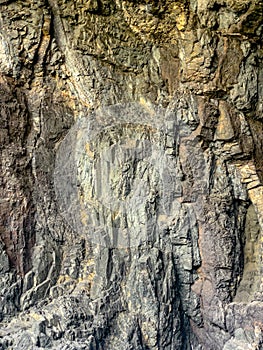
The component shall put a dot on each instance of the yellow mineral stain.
(36, 316)
(63, 279)
(89, 152)
(147, 105)
(84, 217)
(181, 21)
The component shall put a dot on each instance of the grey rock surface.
(131, 175)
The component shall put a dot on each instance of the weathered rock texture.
(131, 174)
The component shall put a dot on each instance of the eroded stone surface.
(131, 174)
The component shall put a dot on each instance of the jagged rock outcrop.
(131, 174)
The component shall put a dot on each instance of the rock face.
(131, 174)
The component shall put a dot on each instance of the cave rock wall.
(131, 174)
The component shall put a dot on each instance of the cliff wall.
(131, 174)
